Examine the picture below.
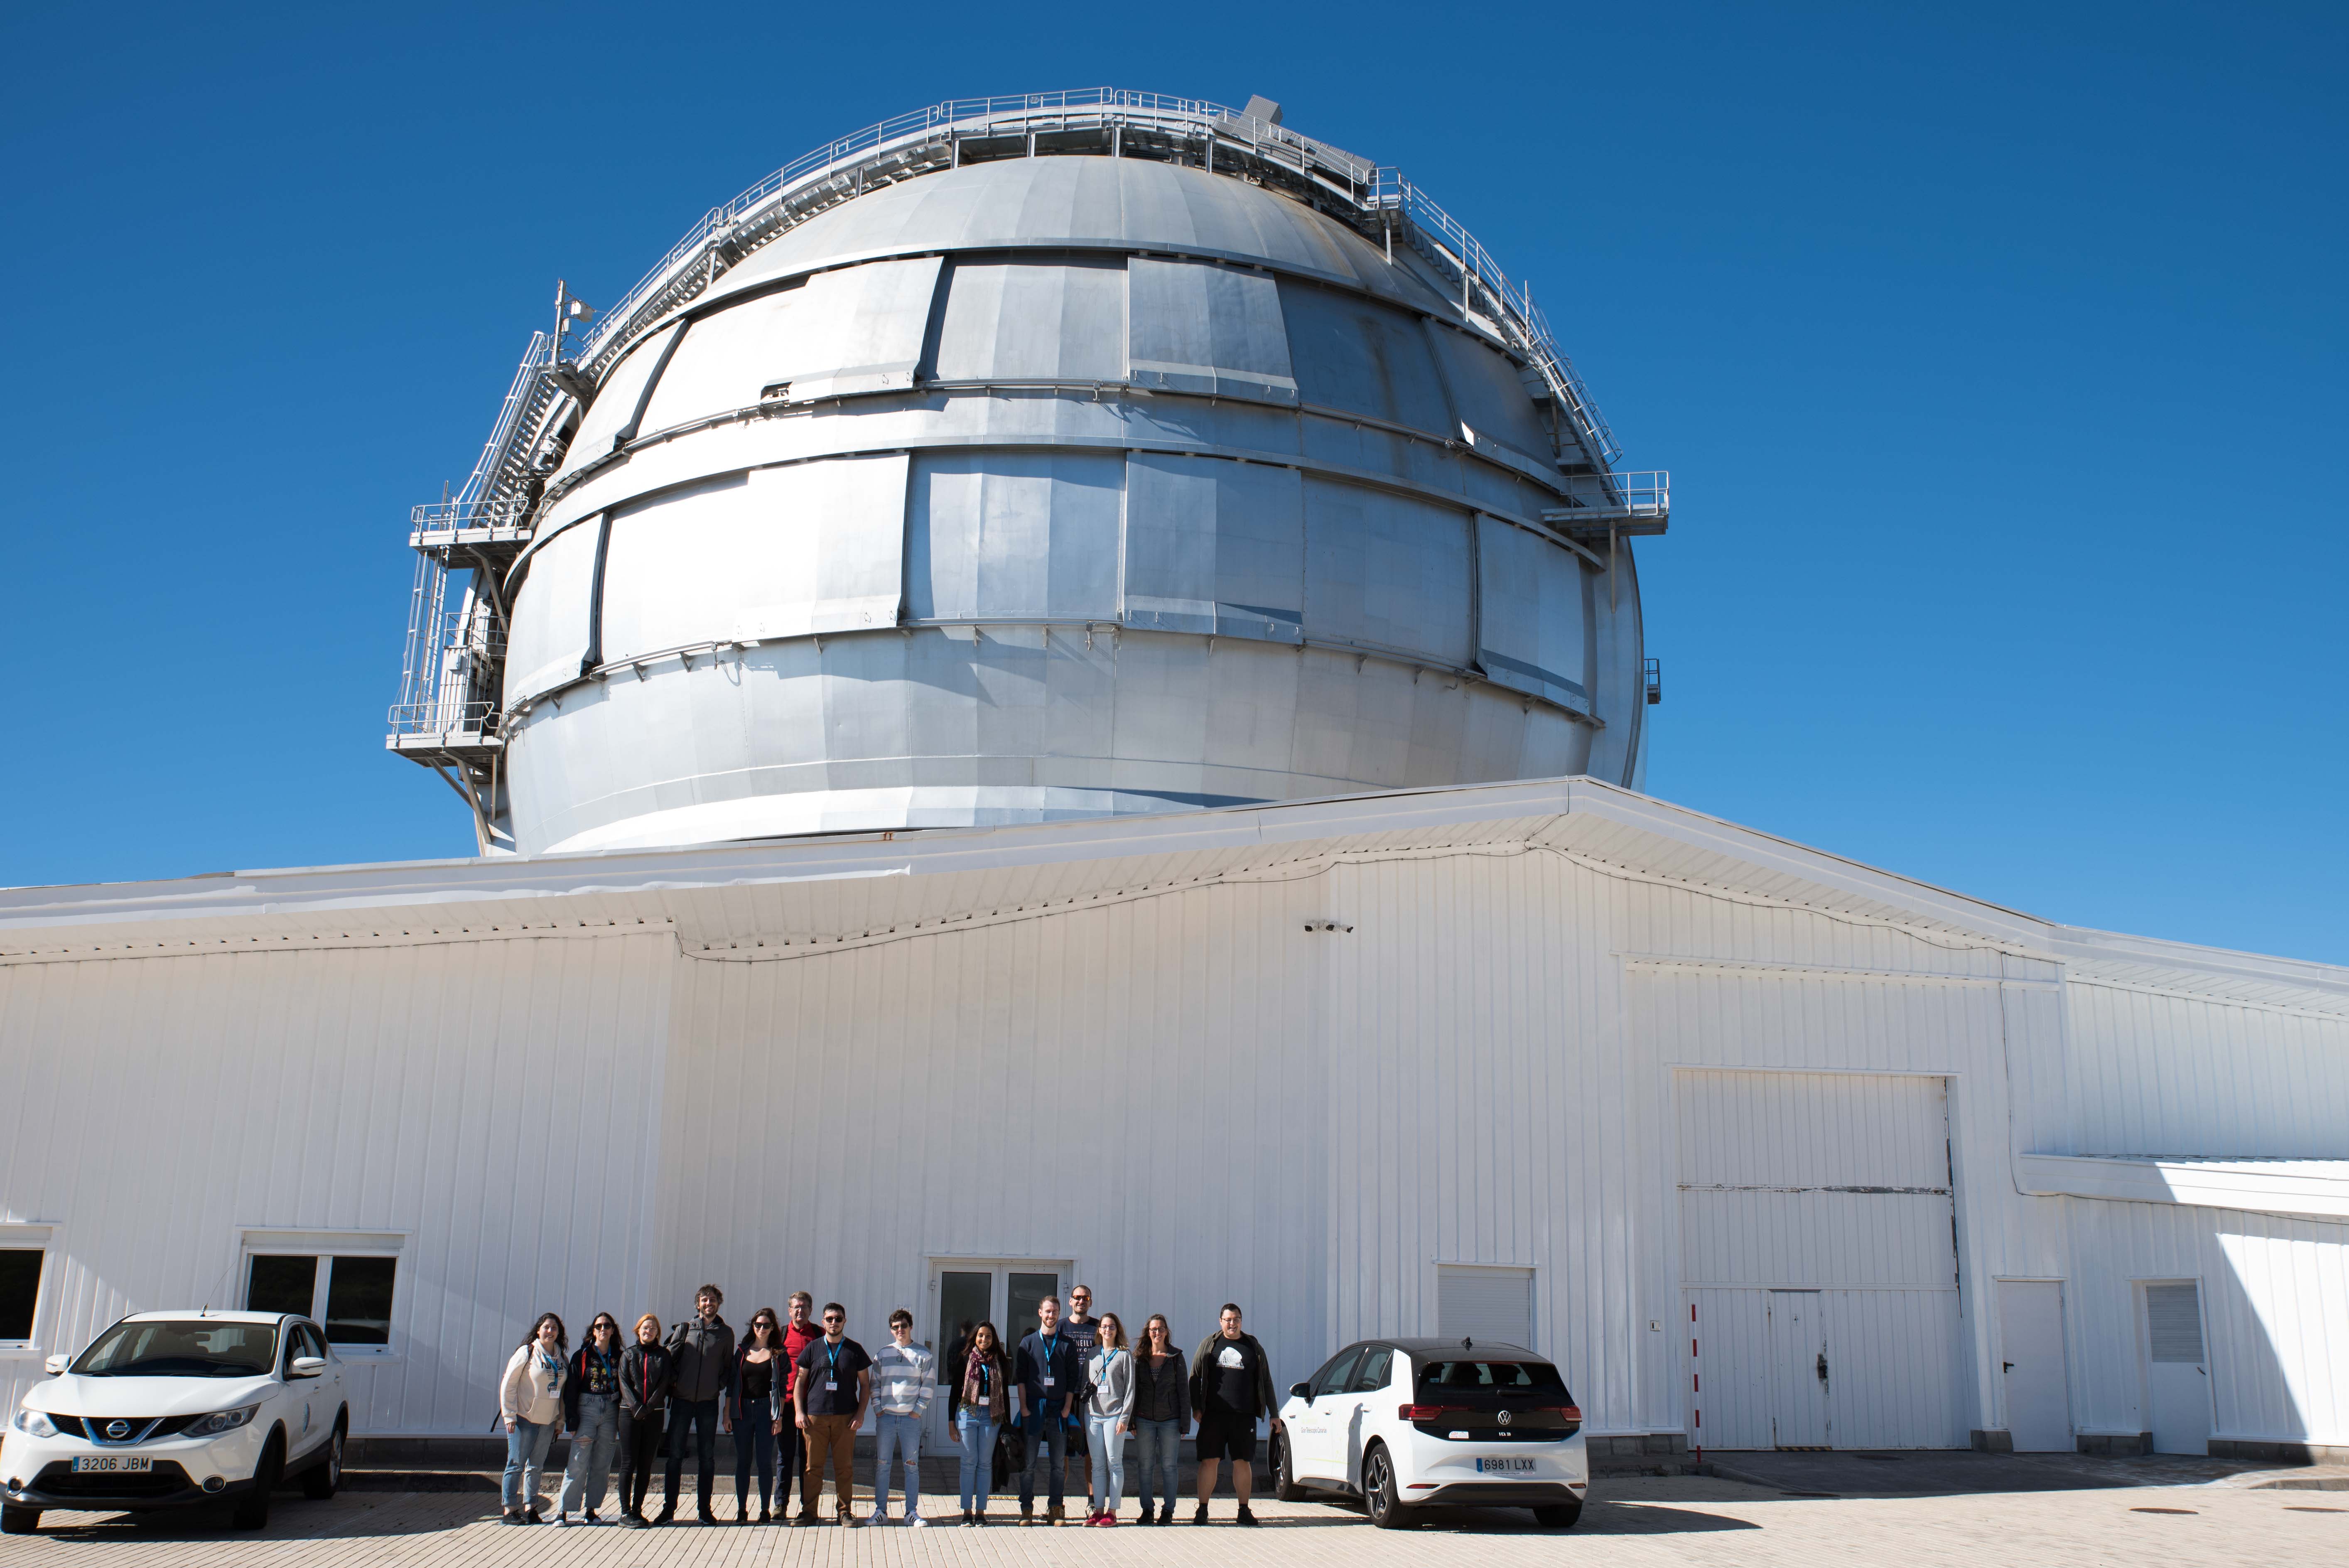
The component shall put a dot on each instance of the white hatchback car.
(169, 1409)
(1405, 1423)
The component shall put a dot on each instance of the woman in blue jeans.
(590, 1409)
(1162, 1414)
(530, 1398)
(986, 1401)
(760, 1377)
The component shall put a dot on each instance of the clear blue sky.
(1997, 355)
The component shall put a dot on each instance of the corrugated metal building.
(1767, 1148)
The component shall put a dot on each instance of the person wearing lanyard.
(530, 1398)
(1044, 1382)
(829, 1397)
(590, 1409)
(1108, 1417)
(986, 1400)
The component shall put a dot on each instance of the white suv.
(1405, 1423)
(168, 1410)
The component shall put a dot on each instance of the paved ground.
(1694, 1519)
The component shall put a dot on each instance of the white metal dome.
(1095, 471)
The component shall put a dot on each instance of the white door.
(2178, 1375)
(1321, 1425)
(1489, 1305)
(1799, 1372)
(2031, 1341)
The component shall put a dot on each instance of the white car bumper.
(38, 1472)
(1495, 1475)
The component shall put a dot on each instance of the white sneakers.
(914, 1519)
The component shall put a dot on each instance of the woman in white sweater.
(530, 1398)
(1109, 1416)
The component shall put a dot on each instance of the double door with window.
(1325, 1438)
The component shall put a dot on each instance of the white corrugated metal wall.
(1189, 1093)
(491, 1100)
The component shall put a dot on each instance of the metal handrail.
(444, 720)
(1636, 493)
(1373, 189)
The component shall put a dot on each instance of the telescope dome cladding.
(1055, 487)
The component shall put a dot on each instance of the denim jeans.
(754, 1443)
(1105, 1446)
(897, 1435)
(590, 1469)
(526, 1447)
(978, 1459)
(1048, 1450)
(698, 1419)
(1162, 1453)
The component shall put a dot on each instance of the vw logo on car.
(1504, 1418)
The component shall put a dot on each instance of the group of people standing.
(797, 1390)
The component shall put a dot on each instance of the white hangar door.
(1819, 1259)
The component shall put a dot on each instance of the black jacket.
(577, 1384)
(1163, 1396)
(704, 1358)
(645, 1374)
(1263, 1401)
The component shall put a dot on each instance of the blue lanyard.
(1052, 1344)
(832, 1354)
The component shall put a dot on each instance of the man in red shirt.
(799, 1333)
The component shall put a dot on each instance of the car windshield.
(193, 1347)
(1533, 1375)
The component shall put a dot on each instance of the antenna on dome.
(1467, 1345)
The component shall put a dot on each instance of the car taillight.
(1571, 1412)
(1421, 1413)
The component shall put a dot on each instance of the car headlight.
(220, 1421)
(36, 1424)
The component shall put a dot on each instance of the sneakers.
(916, 1521)
(510, 1516)
(879, 1517)
(1245, 1517)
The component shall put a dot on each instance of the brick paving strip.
(1692, 1519)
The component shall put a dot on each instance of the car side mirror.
(306, 1367)
(1303, 1391)
(57, 1364)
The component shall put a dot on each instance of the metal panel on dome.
(1385, 570)
(1490, 394)
(617, 401)
(778, 552)
(1200, 327)
(1033, 321)
(725, 361)
(859, 329)
(551, 631)
(1369, 358)
(1214, 546)
(1014, 535)
(1530, 619)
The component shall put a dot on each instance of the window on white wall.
(20, 1291)
(345, 1283)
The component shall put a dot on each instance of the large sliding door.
(1818, 1253)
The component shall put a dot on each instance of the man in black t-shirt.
(833, 1386)
(1231, 1384)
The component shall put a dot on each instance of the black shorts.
(1226, 1435)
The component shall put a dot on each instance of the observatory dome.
(1083, 481)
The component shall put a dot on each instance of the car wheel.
(1558, 1515)
(1378, 1498)
(1284, 1473)
(252, 1512)
(19, 1520)
(322, 1479)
